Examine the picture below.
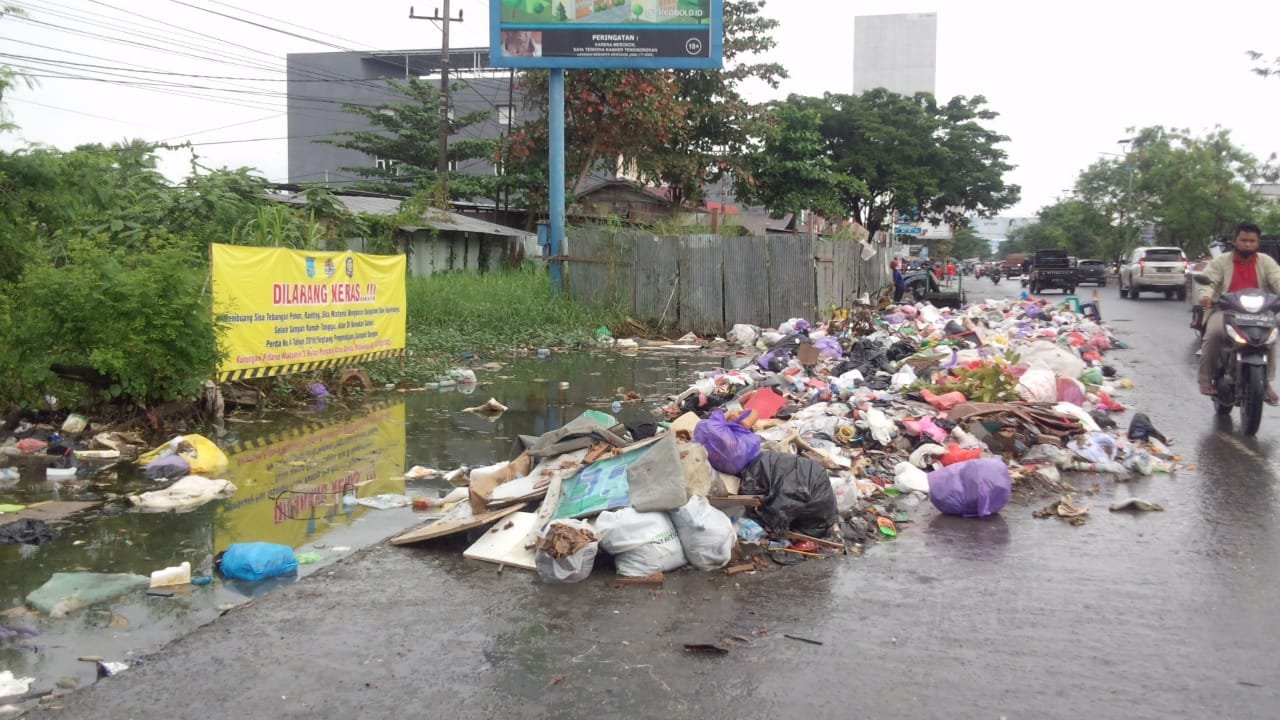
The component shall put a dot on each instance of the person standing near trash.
(899, 283)
(951, 270)
(1242, 269)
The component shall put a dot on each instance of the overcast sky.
(1067, 78)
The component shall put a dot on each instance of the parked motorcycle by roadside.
(1249, 317)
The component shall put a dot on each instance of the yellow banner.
(292, 310)
(290, 491)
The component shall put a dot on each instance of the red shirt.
(1244, 274)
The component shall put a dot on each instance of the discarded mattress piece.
(188, 493)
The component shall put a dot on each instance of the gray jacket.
(1220, 269)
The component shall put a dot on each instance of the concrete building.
(895, 52)
(320, 83)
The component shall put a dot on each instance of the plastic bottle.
(616, 407)
(179, 575)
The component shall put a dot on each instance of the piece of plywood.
(456, 522)
(48, 511)
(506, 543)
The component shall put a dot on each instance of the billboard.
(681, 34)
(285, 311)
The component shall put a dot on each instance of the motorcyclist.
(1242, 269)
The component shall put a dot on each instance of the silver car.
(1154, 269)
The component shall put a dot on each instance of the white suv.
(1154, 269)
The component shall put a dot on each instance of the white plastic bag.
(881, 427)
(744, 335)
(909, 478)
(706, 534)
(902, 378)
(1038, 385)
(1043, 354)
(641, 543)
(570, 568)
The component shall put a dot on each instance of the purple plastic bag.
(829, 347)
(730, 447)
(973, 488)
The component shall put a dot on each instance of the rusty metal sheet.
(791, 291)
(657, 269)
(746, 280)
(701, 284)
(826, 286)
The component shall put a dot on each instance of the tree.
(1191, 188)
(909, 155)
(968, 244)
(406, 140)
(682, 128)
(791, 173)
(1072, 225)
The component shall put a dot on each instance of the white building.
(895, 52)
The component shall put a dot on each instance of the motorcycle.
(1249, 317)
(995, 277)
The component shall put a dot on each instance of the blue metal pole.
(555, 131)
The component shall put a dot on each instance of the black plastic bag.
(1140, 428)
(797, 493)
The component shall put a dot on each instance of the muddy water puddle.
(298, 479)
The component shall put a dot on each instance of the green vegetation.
(452, 313)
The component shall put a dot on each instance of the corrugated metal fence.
(707, 283)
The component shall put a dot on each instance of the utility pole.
(442, 167)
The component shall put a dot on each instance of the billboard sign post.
(598, 34)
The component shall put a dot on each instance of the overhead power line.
(264, 27)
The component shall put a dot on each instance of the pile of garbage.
(822, 439)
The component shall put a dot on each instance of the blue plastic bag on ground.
(258, 561)
(730, 446)
(974, 488)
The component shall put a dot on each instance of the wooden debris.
(654, 579)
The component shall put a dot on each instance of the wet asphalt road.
(1156, 615)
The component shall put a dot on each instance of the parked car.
(1052, 269)
(1092, 271)
(1154, 269)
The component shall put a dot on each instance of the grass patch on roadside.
(451, 313)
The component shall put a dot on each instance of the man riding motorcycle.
(1242, 269)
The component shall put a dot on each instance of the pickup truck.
(1052, 269)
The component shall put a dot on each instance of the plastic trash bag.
(924, 455)
(976, 488)
(1038, 385)
(730, 446)
(744, 335)
(1043, 354)
(909, 478)
(943, 402)
(956, 454)
(201, 454)
(845, 488)
(881, 427)
(797, 493)
(829, 347)
(188, 493)
(1071, 391)
(1140, 428)
(903, 378)
(572, 567)
(749, 530)
(1096, 447)
(706, 534)
(167, 468)
(641, 543)
(258, 561)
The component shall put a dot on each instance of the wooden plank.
(459, 520)
(790, 278)
(657, 269)
(505, 542)
(701, 292)
(746, 280)
(826, 287)
(48, 511)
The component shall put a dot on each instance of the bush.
(141, 318)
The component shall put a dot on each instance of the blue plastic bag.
(730, 446)
(258, 561)
(973, 488)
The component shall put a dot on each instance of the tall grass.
(452, 313)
